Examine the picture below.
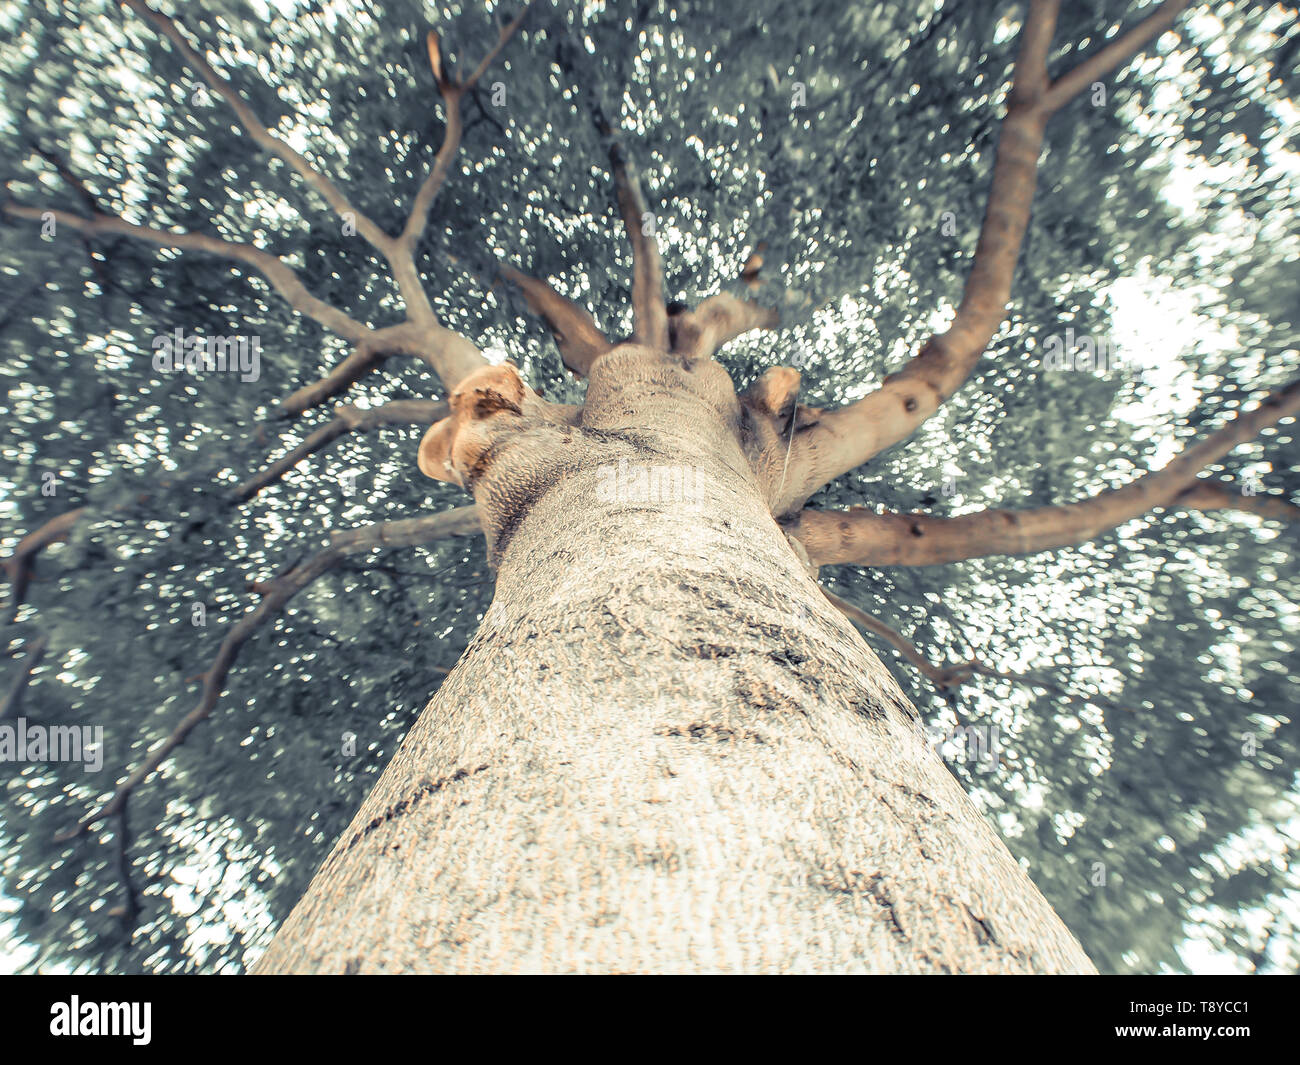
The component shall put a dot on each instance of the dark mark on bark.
(704, 730)
(712, 651)
(881, 896)
(983, 933)
(791, 660)
(429, 787)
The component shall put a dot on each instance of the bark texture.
(664, 750)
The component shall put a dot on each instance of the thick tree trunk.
(664, 750)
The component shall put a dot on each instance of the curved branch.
(346, 419)
(463, 521)
(576, 334)
(944, 678)
(18, 566)
(437, 176)
(850, 436)
(863, 537)
(453, 357)
(256, 129)
(279, 274)
(453, 93)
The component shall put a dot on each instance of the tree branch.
(463, 521)
(453, 357)
(944, 678)
(129, 908)
(453, 93)
(256, 129)
(347, 419)
(576, 334)
(719, 319)
(1208, 495)
(448, 354)
(845, 438)
(13, 700)
(507, 31)
(864, 537)
(649, 311)
(1112, 55)
(88, 201)
(419, 216)
(18, 566)
(280, 276)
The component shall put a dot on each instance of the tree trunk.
(664, 750)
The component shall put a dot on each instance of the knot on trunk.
(507, 446)
(490, 401)
(775, 393)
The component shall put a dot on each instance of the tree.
(665, 746)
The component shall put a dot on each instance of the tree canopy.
(1147, 781)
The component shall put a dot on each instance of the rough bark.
(664, 750)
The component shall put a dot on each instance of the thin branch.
(938, 674)
(13, 700)
(463, 521)
(88, 201)
(944, 678)
(129, 908)
(360, 361)
(576, 334)
(347, 419)
(453, 357)
(87, 198)
(507, 31)
(1112, 55)
(448, 354)
(429, 188)
(850, 436)
(256, 129)
(278, 273)
(453, 93)
(864, 537)
(18, 566)
(649, 311)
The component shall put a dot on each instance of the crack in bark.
(398, 809)
(983, 933)
(704, 730)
